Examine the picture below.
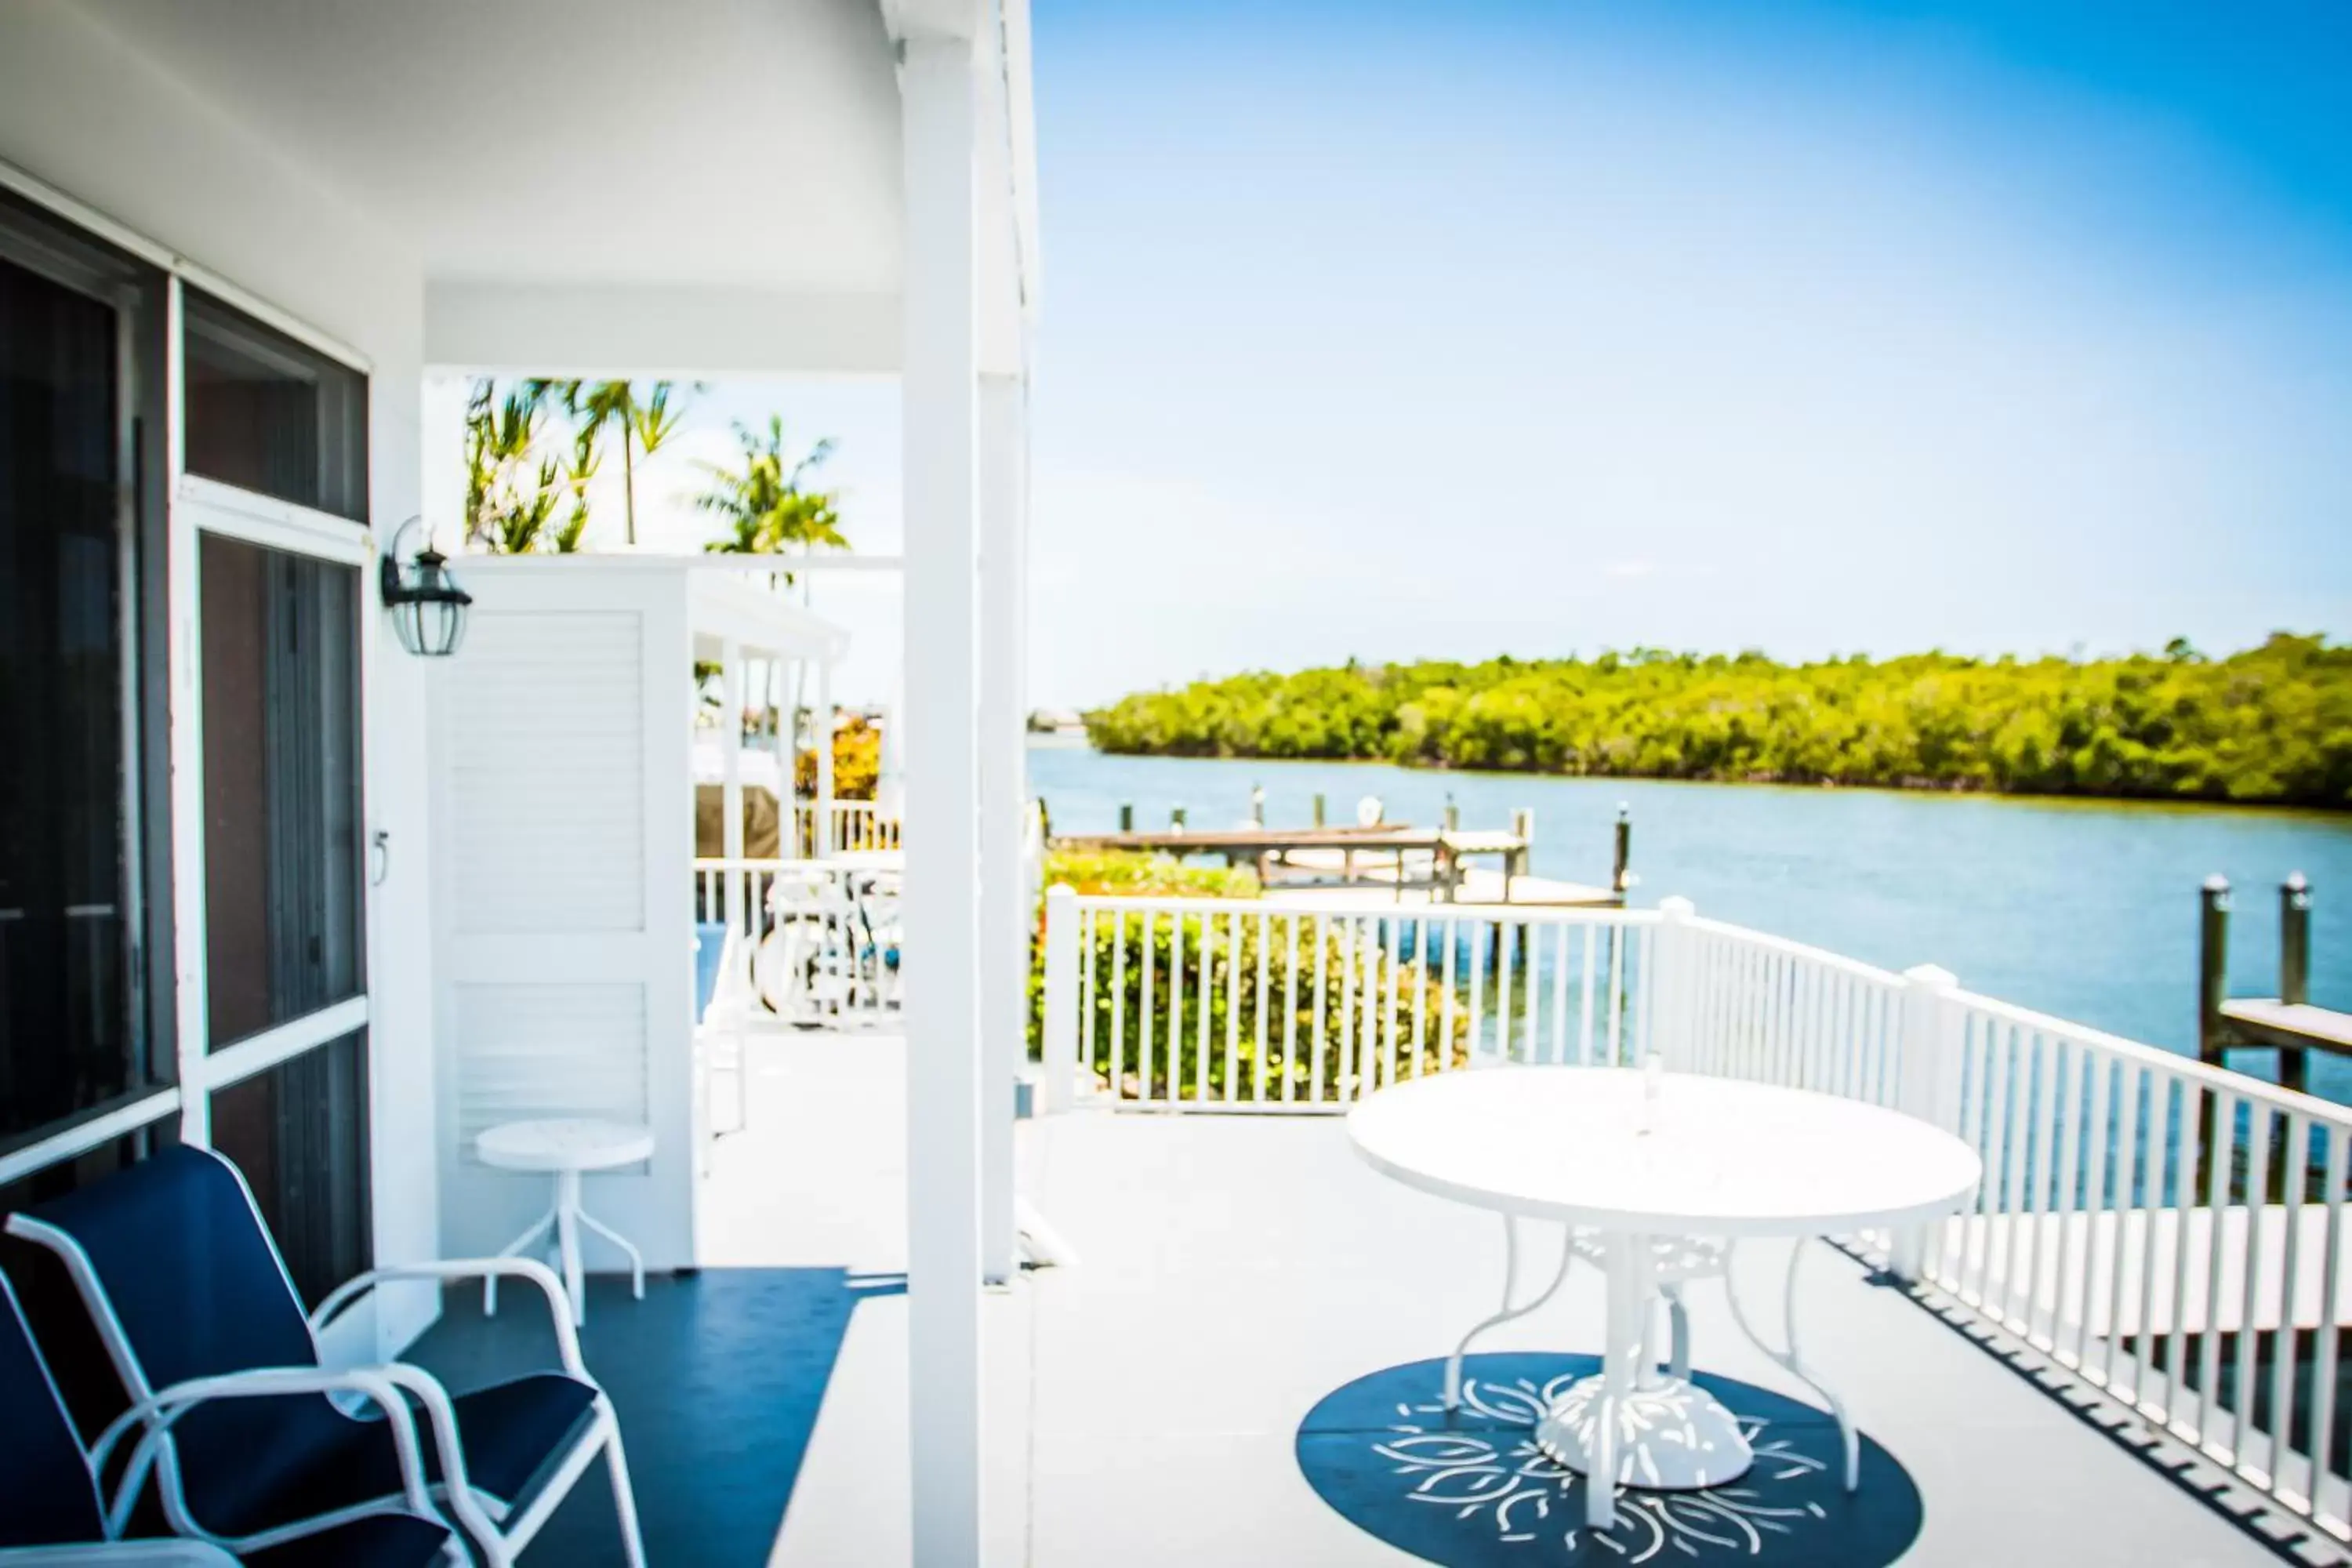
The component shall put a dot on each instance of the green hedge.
(1114, 962)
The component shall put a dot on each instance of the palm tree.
(762, 499)
(502, 512)
(578, 469)
(644, 426)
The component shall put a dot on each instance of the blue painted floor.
(717, 1378)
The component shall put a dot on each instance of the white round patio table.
(566, 1148)
(1645, 1160)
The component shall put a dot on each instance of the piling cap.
(2217, 883)
(2297, 882)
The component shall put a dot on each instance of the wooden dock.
(2287, 1023)
(1379, 864)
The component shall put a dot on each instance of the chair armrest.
(169, 1551)
(567, 1338)
(159, 1411)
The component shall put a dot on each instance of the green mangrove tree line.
(2273, 724)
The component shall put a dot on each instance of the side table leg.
(1510, 1287)
(538, 1229)
(636, 1259)
(1791, 1360)
(567, 1241)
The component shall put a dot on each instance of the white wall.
(82, 113)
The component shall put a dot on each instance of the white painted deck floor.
(1232, 1271)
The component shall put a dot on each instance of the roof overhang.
(597, 186)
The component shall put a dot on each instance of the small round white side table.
(567, 1149)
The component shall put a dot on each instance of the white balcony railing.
(2171, 1232)
(857, 826)
(809, 942)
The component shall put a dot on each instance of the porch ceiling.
(702, 186)
(698, 142)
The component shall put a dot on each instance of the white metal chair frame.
(155, 1414)
(482, 1518)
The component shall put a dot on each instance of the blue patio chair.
(183, 1282)
(53, 1508)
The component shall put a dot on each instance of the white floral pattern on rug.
(1499, 1476)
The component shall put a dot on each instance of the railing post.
(1061, 1021)
(1930, 1083)
(1675, 985)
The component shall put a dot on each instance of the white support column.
(940, 424)
(1005, 918)
(731, 793)
(828, 839)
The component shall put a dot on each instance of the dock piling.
(1623, 860)
(1126, 816)
(1318, 808)
(2212, 989)
(2212, 966)
(2294, 970)
(2295, 939)
(1257, 804)
(1175, 816)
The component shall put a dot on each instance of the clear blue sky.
(1452, 330)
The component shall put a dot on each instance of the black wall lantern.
(428, 608)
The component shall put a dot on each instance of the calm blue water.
(2087, 911)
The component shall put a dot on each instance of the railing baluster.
(1995, 1154)
(2096, 1202)
(2066, 1263)
(1118, 1065)
(1559, 1049)
(1616, 995)
(2155, 1142)
(1477, 958)
(2217, 1201)
(2183, 1160)
(1351, 1083)
(1584, 1003)
(1143, 1013)
(1420, 1061)
(2131, 1083)
(1258, 1061)
(1233, 989)
(2241, 1383)
(1322, 950)
(1290, 1009)
(1503, 944)
(2295, 1156)
(2040, 1109)
(1085, 996)
(1389, 997)
(2323, 1369)
(1204, 990)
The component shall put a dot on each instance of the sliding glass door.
(87, 1048)
(184, 628)
(271, 508)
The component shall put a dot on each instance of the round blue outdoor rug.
(1473, 1489)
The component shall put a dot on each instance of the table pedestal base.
(1672, 1436)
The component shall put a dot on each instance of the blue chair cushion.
(187, 1266)
(47, 1497)
(316, 1459)
(380, 1540)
